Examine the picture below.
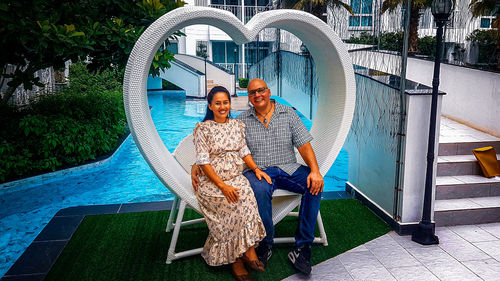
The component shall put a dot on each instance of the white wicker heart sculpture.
(336, 89)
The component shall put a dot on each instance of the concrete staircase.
(210, 85)
(463, 194)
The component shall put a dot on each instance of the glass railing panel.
(372, 141)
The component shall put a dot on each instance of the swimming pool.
(126, 178)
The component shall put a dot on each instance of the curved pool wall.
(28, 205)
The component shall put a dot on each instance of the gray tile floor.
(466, 252)
(451, 131)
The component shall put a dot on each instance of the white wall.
(473, 96)
(415, 156)
(193, 83)
(218, 76)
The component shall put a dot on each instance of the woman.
(224, 194)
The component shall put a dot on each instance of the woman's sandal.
(256, 265)
(241, 277)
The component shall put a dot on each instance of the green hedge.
(393, 41)
(67, 128)
(243, 82)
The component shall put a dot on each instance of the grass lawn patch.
(134, 246)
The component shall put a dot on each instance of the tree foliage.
(316, 7)
(63, 129)
(481, 8)
(416, 5)
(36, 34)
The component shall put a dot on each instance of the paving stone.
(60, 228)
(364, 266)
(464, 251)
(38, 258)
(452, 270)
(429, 255)
(89, 210)
(145, 207)
(447, 236)
(492, 248)
(28, 277)
(486, 269)
(472, 233)
(491, 228)
(413, 273)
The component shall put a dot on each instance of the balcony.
(247, 13)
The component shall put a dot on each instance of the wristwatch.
(256, 167)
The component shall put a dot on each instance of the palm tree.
(316, 7)
(488, 7)
(392, 5)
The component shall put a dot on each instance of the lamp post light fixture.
(425, 232)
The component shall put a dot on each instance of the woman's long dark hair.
(217, 89)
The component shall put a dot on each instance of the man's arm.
(315, 179)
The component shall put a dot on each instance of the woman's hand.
(195, 173)
(260, 174)
(230, 192)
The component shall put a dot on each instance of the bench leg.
(171, 250)
(321, 228)
(173, 211)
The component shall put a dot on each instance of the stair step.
(456, 165)
(465, 148)
(467, 186)
(467, 211)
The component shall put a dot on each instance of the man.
(272, 131)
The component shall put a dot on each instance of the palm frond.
(390, 5)
(482, 7)
(337, 3)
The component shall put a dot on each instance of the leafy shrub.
(487, 44)
(167, 85)
(243, 82)
(427, 45)
(67, 128)
(364, 38)
(392, 41)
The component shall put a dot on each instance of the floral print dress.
(234, 227)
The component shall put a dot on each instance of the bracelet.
(255, 168)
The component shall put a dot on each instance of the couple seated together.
(235, 198)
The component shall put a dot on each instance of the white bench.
(283, 204)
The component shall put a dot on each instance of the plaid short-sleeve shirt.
(274, 145)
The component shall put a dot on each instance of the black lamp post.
(305, 52)
(235, 70)
(425, 233)
(204, 51)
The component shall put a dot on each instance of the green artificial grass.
(133, 246)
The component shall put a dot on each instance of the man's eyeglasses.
(259, 91)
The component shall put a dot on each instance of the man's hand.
(315, 183)
(195, 173)
(261, 174)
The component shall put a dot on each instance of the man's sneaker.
(263, 254)
(301, 259)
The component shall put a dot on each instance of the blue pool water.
(126, 178)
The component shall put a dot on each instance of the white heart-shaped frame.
(337, 88)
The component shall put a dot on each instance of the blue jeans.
(296, 183)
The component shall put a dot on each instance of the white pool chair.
(283, 204)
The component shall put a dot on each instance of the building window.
(363, 13)
(486, 22)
